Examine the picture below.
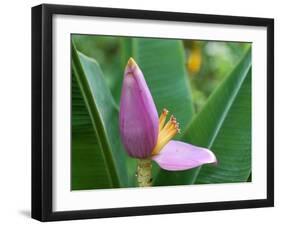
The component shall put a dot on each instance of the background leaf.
(232, 144)
(97, 153)
(104, 49)
(224, 126)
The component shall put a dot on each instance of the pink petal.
(178, 155)
(138, 119)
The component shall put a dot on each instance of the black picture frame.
(42, 84)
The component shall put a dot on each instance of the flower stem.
(144, 176)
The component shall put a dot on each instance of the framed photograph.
(145, 112)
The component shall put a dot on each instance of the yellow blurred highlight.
(194, 61)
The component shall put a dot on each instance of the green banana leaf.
(224, 126)
(96, 47)
(97, 154)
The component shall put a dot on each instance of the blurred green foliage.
(207, 62)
